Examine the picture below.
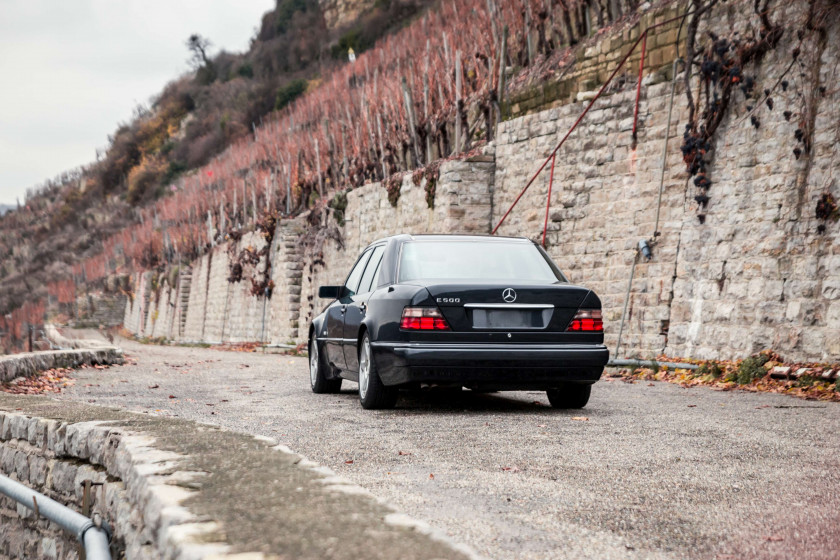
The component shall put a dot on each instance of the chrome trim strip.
(509, 305)
(469, 346)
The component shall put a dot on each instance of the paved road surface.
(649, 471)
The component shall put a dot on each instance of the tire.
(373, 394)
(318, 372)
(570, 395)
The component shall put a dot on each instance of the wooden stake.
(458, 131)
(412, 122)
(500, 95)
(381, 146)
(318, 169)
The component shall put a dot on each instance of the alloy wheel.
(313, 363)
(364, 368)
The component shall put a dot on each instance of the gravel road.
(647, 470)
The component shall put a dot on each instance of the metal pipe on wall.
(94, 539)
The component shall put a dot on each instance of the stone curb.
(31, 363)
(168, 503)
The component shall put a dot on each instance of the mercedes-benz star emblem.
(509, 295)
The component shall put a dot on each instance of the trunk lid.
(496, 307)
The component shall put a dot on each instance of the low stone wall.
(172, 489)
(28, 364)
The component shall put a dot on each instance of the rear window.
(477, 261)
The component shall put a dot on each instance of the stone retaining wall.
(133, 496)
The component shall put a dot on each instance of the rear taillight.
(587, 320)
(423, 319)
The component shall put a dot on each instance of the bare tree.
(199, 48)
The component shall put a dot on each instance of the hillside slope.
(191, 121)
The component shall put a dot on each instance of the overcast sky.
(71, 70)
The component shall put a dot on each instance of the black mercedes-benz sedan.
(487, 313)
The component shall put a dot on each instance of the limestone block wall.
(603, 201)
(162, 316)
(758, 274)
(137, 306)
(754, 274)
(217, 295)
(194, 325)
(243, 321)
(287, 272)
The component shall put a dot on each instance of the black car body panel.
(514, 343)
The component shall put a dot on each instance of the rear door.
(357, 308)
(337, 310)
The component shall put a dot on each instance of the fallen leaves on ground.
(50, 381)
(299, 350)
(723, 375)
(239, 347)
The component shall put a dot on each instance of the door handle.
(363, 307)
(343, 309)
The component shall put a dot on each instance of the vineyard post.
(288, 169)
(254, 204)
(345, 170)
(409, 109)
(491, 14)
(235, 216)
(426, 123)
(210, 229)
(528, 40)
(318, 169)
(244, 221)
(330, 147)
(180, 288)
(615, 9)
(502, 71)
(458, 132)
(381, 147)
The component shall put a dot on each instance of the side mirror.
(330, 292)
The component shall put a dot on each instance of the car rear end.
(493, 314)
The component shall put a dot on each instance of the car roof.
(451, 237)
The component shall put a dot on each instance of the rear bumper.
(498, 365)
